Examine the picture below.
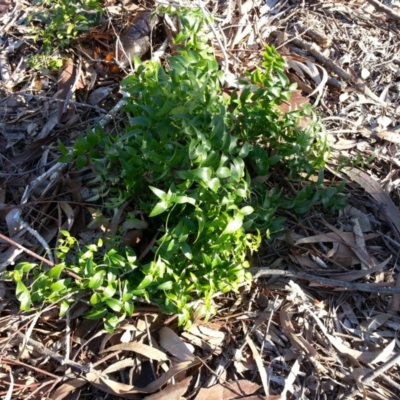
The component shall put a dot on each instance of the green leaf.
(25, 266)
(81, 161)
(23, 296)
(166, 286)
(66, 159)
(214, 184)
(81, 145)
(247, 210)
(92, 138)
(245, 149)
(204, 173)
(108, 292)
(60, 285)
(64, 307)
(95, 298)
(159, 193)
(159, 209)
(233, 225)
(145, 282)
(129, 308)
(111, 322)
(96, 280)
(223, 172)
(96, 313)
(55, 272)
(187, 251)
(114, 304)
(64, 151)
(140, 120)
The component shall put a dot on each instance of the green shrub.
(63, 20)
(191, 158)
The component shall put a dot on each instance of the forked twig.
(381, 7)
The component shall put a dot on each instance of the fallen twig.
(312, 49)
(370, 376)
(55, 356)
(27, 251)
(381, 7)
(364, 287)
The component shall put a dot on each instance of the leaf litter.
(321, 317)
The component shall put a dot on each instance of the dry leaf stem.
(364, 287)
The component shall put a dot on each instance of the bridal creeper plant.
(190, 158)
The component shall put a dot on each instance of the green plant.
(41, 62)
(193, 160)
(62, 20)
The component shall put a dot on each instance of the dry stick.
(27, 366)
(370, 376)
(27, 251)
(56, 356)
(55, 168)
(312, 49)
(364, 287)
(37, 256)
(381, 7)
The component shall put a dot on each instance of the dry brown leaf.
(172, 343)
(353, 275)
(65, 88)
(372, 187)
(260, 364)
(332, 237)
(292, 377)
(196, 341)
(49, 125)
(229, 390)
(385, 353)
(359, 239)
(128, 391)
(140, 348)
(300, 343)
(207, 339)
(361, 356)
(172, 392)
(4, 6)
(304, 261)
(390, 136)
(360, 253)
(122, 364)
(66, 388)
(69, 212)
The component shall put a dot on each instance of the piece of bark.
(381, 7)
(135, 39)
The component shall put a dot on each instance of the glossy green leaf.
(214, 184)
(108, 292)
(233, 225)
(55, 272)
(159, 209)
(166, 286)
(223, 172)
(64, 307)
(145, 282)
(96, 280)
(60, 285)
(129, 308)
(114, 304)
(23, 296)
(96, 313)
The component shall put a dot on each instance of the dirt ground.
(321, 318)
